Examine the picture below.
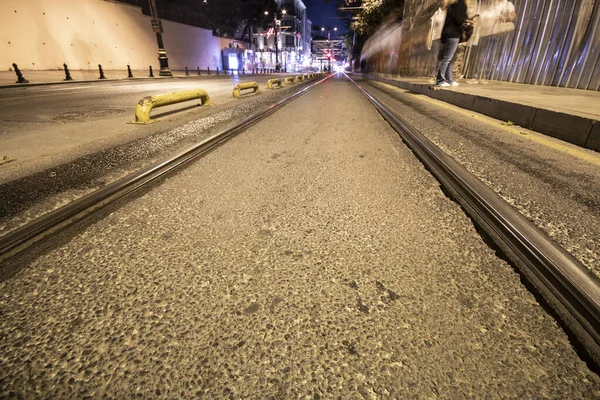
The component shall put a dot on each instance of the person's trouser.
(445, 71)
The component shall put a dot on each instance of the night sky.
(320, 14)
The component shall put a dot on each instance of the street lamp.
(276, 23)
(329, 43)
(163, 60)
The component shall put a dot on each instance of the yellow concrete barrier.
(289, 80)
(145, 105)
(298, 79)
(243, 86)
(304, 77)
(273, 82)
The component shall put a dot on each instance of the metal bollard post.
(129, 74)
(187, 73)
(101, 72)
(67, 73)
(199, 71)
(244, 71)
(151, 74)
(208, 69)
(217, 70)
(20, 77)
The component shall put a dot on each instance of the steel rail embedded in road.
(27, 236)
(565, 285)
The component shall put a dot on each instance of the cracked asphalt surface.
(310, 257)
(556, 191)
(58, 163)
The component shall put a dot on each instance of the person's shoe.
(454, 84)
(443, 84)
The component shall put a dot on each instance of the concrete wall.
(44, 34)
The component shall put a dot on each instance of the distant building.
(292, 29)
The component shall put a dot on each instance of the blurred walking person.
(456, 15)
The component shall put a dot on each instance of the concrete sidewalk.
(572, 115)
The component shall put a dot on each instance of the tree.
(373, 13)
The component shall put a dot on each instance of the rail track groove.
(563, 283)
(26, 237)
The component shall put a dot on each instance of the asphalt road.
(63, 141)
(554, 184)
(310, 257)
(44, 126)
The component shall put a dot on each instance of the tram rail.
(563, 283)
(570, 292)
(26, 237)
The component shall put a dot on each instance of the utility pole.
(163, 60)
(276, 23)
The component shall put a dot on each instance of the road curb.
(593, 141)
(580, 131)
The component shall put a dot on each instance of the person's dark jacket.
(456, 14)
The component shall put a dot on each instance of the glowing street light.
(330, 51)
(276, 23)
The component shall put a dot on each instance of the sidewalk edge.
(580, 131)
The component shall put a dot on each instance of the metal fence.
(544, 42)
(551, 42)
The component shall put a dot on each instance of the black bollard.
(101, 72)
(199, 71)
(20, 77)
(151, 74)
(208, 69)
(217, 70)
(244, 71)
(187, 73)
(67, 73)
(129, 74)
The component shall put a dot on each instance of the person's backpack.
(466, 30)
